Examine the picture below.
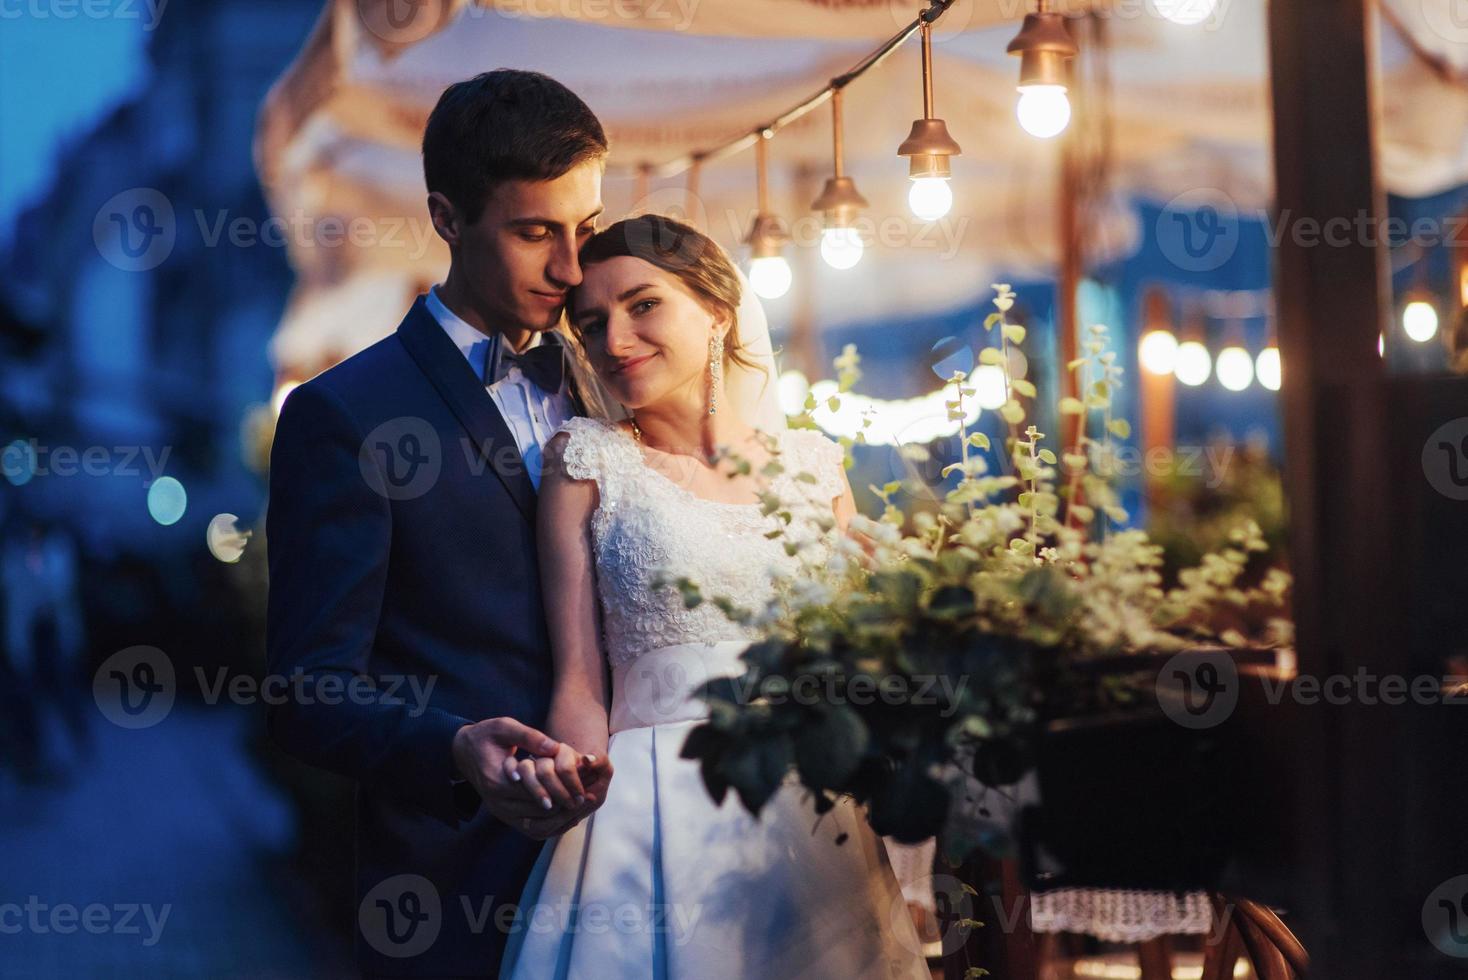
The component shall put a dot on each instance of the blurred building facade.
(135, 312)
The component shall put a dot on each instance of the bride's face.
(646, 334)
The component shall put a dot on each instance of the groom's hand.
(484, 753)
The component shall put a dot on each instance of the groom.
(403, 579)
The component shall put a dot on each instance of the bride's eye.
(643, 305)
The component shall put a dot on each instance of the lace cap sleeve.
(823, 458)
(583, 455)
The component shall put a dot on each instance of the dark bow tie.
(544, 364)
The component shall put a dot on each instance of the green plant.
(918, 652)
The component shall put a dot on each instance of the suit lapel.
(450, 374)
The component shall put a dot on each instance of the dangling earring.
(716, 368)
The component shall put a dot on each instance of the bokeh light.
(167, 500)
(1193, 363)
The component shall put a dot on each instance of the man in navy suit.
(404, 591)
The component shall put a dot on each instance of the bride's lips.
(631, 364)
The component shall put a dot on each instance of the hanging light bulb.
(1044, 47)
(770, 276)
(1043, 110)
(842, 248)
(1158, 351)
(840, 202)
(1419, 320)
(1267, 368)
(769, 273)
(1235, 368)
(930, 198)
(928, 147)
(1194, 363)
(1185, 12)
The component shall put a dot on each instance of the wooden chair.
(1267, 942)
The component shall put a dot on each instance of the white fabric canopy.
(338, 136)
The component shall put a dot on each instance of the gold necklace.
(637, 434)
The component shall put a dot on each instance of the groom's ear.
(447, 220)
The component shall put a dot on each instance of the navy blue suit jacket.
(401, 547)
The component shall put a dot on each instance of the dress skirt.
(661, 883)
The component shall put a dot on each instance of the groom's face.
(519, 258)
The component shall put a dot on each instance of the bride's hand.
(570, 780)
(596, 777)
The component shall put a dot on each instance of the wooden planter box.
(1136, 799)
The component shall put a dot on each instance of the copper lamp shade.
(766, 237)
(1044, 46)
(929, 146)
(840, 201)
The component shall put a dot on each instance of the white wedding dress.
(660, 883)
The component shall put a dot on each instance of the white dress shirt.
(532, 414)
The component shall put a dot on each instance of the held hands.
(540, 796)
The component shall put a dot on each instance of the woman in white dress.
(661, 882)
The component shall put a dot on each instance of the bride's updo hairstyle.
(681, 251)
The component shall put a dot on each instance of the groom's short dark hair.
(505, 125)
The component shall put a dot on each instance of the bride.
(661, 881)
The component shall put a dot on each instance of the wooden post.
(1158, 391)
(803, 346)
(1332, 301)
(1071, 263)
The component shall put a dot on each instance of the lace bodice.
(646, 527)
